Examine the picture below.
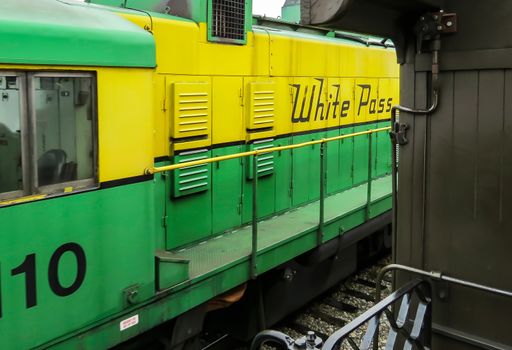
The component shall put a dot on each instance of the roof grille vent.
(228, 21)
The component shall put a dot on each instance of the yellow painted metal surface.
(317, 82)
(348, 93)
(228, 107)
(22, 199)
(260, 105)
(125, 123)
(191, 115)
(260, 108)
(277, 84)
(283, 105)
(170, 110)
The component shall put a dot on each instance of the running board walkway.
(281, 237)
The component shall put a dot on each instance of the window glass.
(64, 129)
(11, 175)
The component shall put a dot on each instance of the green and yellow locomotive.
(156, 154)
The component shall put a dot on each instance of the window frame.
(28, 137)
(81, 185)
(24, 137)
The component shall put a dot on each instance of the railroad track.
(330, 311)
(339, 306)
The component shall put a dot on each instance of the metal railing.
(407, 310)
(410, 325)
(323, 168)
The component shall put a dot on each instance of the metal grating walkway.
(222, 252)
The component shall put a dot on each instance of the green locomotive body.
(108, 227)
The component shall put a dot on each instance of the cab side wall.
(111, 224)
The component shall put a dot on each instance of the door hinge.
(164, 221)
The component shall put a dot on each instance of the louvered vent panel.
(265, 162)
(261, 107)
(192, 117)
(191, 179)
(228, 20)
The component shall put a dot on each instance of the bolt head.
(311, 337)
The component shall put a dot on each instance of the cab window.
(64, 146)
(49, 132)
(11, 120)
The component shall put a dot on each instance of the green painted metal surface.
(347, 159)
(266, 194)
(198, 10)
(170, 271)
(360, 172)
(54, 32)
(301, 171)
(148, 5)
(153, 8)
(189, 217)
(107, 226)
(334, 178)
(217, 254)
(291, 13)
(160, 203)
(314, 168)
(283, 176)
(295, 180)
(153, 313)
(383, 155)
(227, 190)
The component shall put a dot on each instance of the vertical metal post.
(254, 267)
(369, 184)
(320, 233)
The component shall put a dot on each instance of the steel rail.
(155, 170)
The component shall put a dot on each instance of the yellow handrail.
(171, 167)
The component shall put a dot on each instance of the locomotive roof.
(60, 33)
(319, 33)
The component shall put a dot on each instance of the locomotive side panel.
(58, 254)
(96, 256)
(305, 100)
